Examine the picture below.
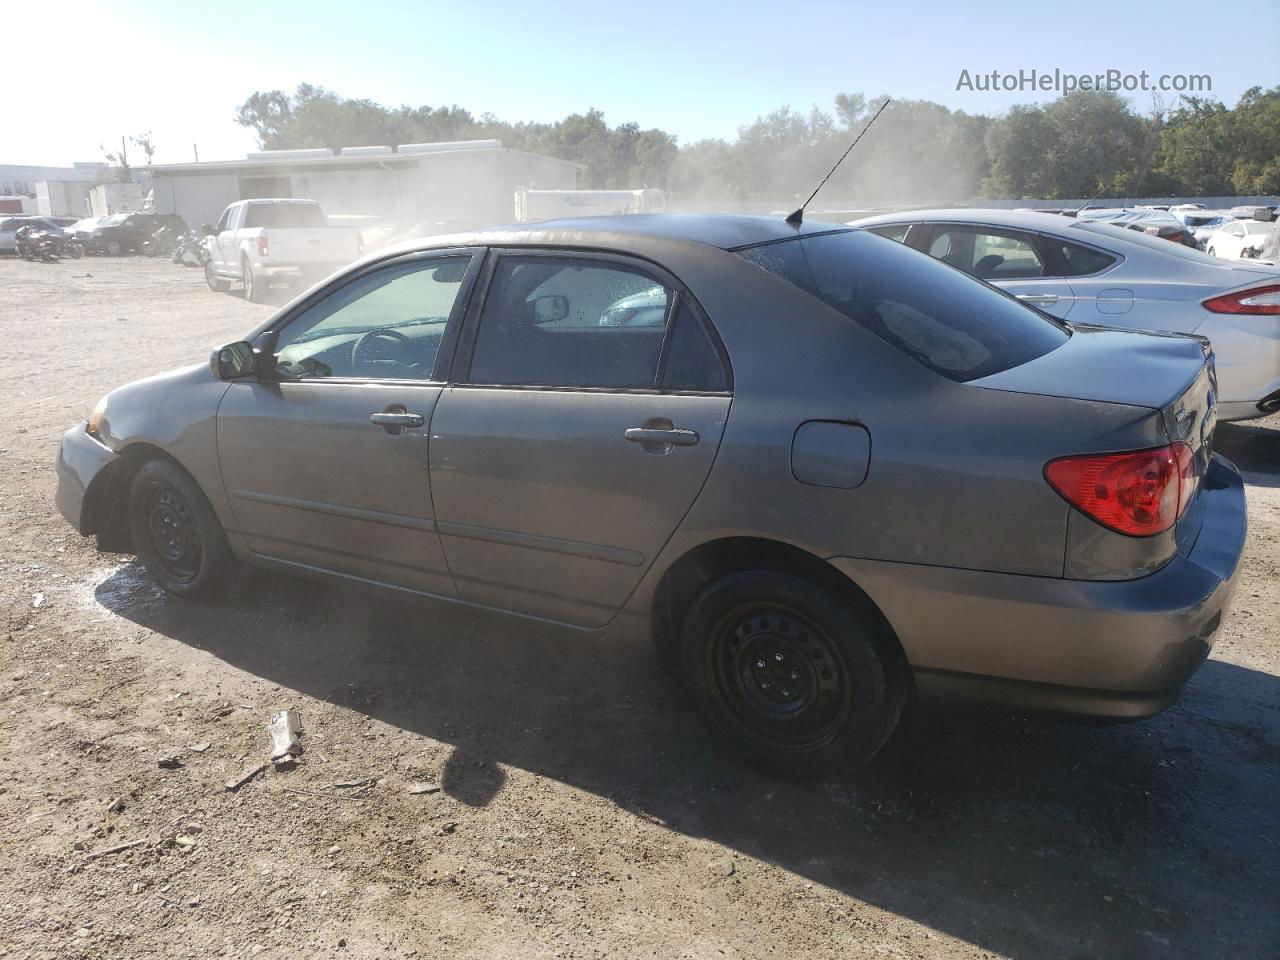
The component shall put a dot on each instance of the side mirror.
(206, 230)
(235, 361)
(550, 308)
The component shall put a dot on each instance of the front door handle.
(395, 419)
(1038, 297)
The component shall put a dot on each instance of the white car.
(1240, 240)
(1093, 272)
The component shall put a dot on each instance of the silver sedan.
(827, 472)
(1096, 273)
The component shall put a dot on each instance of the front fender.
(175, 413)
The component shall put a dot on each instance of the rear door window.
(987, 253)
(570, 322)
(951, 324)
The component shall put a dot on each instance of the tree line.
(1083, 144)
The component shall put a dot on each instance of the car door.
(1013, 260)
(325, 462)
(585, 409)
(224, 242)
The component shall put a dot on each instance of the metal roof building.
(469, 180)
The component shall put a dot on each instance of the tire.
(175, 532)
(215, 284)
(254, 291)
(793, 680)
(1211, 252)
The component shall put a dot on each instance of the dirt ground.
(583, 811)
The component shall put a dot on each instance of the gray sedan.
(837, 473)
(1088, 271)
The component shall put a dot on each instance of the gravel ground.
(582, 812)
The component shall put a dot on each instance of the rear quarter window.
(949, 322)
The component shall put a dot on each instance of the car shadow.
(1254, 447)
(1029, 838)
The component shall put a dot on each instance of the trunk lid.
(1110, 366)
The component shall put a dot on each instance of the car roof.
(1019, 219)
(725, 231)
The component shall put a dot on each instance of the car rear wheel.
(216, 284)
(253, 290)
(792, 679)
(175, 532)
(1212, 252)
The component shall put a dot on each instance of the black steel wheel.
(175, 532)
(796, 681)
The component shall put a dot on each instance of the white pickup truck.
(260, 242)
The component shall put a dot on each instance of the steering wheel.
(364, 345)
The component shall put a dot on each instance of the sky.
(693, 69)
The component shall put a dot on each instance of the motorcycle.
(161, 243)
(37, 243)
(190, 250)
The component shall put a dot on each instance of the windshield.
(285, 215)
(1257, 227)
(953, 324)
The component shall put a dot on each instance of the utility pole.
(195, 149)
(124, 154)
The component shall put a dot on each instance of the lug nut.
(760, 664)
(778, 657)
(794, 675)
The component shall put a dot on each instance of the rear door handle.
(1038, 297)
(672, 435)
(395, 419)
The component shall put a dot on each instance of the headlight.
(96, 418)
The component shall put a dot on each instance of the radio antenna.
(797, 218)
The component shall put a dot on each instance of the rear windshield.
(1109, 230)
(285, 215)
(955, 325)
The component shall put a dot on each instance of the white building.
(54, 191)
(470, 180)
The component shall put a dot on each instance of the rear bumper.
(1104, 648)
(293, 273)
(81, 460)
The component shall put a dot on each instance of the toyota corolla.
(826, 473)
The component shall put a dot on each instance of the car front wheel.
(175, 532)
(794, 680)
(216, 284)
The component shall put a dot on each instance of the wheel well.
(107, 500)
(696, 570)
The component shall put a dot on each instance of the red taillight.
(262, 247)
(1140, 493)
(1265, 300)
